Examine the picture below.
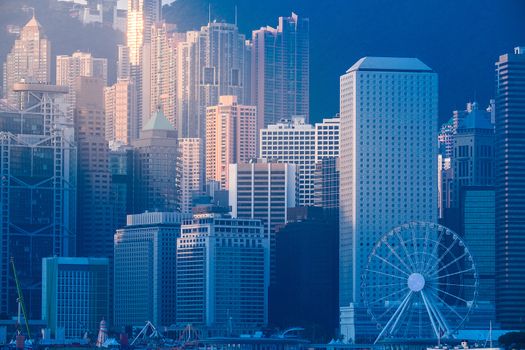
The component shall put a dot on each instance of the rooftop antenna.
(236, 15)
(209, 12)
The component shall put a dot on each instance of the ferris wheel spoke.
(388, 296)
(450, 263)
(403, 244)
(397, 255)
(450, 308)
(373, 286)
(394, 266)
(434, 251)
(460, 285)
(449, 294)
(436, 264)
(386, 274)
(430, 314)
(388, 327)
(387, 311)
(414, 243)
(443, 325)
(452, 274)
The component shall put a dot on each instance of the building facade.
(38, 182)
(79, 64)
(155, 167)
(222, 274)
(326, 185)
(28, 60)
(510, 203)
(75, 294)
(302, 144)
(120, 107)
(231, 132)
(263, 190)
(281, 70)
(145, 258)
(188, 172)
(388, 161)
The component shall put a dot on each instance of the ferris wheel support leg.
(442, 321)
(430, 314)
(395, 316)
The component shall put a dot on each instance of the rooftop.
(402, 64)
(158, 122)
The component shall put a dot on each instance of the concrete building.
(263, 190)
(210, 63)
(222, 274)
(281, 70)
(388, 163)
(29, 60)
(75, 294)
(38, 172)
(188, 172)
(121, 169)
(231, 132)
(120, 107)
(302, 144)
(155, 166)
(79, 64)
(510, 202)
(123, 63)
(145, 258)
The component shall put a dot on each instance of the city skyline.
(174, 193)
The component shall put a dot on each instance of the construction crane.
(20, 300)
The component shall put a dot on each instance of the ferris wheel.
(420, 281)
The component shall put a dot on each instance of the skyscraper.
(302, 144)
(79, 64)
(145, 258)
(388, 160)
(142, 14)
(94, 177)
(120, 108)
(38, 172)
(281, 70)
(231, 130)
(510, 202)
(155, 166)
(29, 59)
(326, 185)
(159, 71)
(75, 294)
(211, 63)
(222, 274)
(189, 172)
(263, 190)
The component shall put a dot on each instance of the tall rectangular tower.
(388, 161)
(510, 201)
(281, 70)
(231, 130)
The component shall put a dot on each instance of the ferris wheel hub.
(416, 282)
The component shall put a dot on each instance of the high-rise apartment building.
(281, 70)
(121, 169)
(145, 258)
(159, 71)
(142, 15)
(210, 63)
(79, 64)
(222, 274)
(155, 166)
(120, 107)
(302, 144)
(231, 132)
(123, 63)
(388, 162)
(75, 294)
(38, 172)
(510, 202)
(189, 172)
(29, 59)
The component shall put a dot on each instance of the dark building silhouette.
(306, 290)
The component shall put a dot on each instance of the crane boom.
(20, 298)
